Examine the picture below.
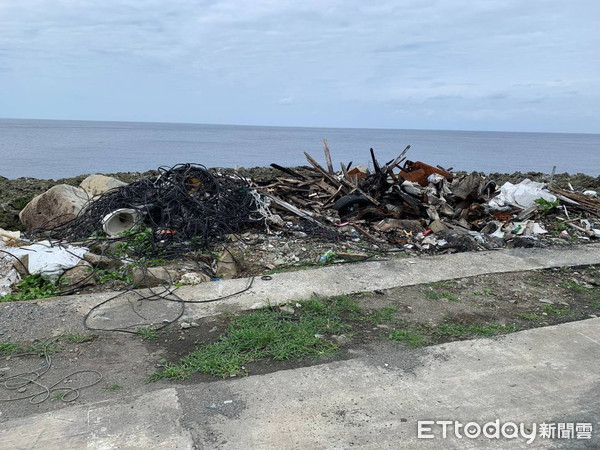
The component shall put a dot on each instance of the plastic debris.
(523, 194)
(48, 259)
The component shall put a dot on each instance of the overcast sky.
(514, 65)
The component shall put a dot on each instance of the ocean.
(62, 148)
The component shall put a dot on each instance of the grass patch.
(433, 295)
(75, 338)
(596, 304)
(9, 348)
(484, 292)
(268, 335)
(37, 348)
(112, 387)
(147, 333)
(578, 288)
(557, 311)
(532, 317)
(456, 330)
(385, 314)
(411, 338)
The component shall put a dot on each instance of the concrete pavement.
(67, 312)
(373, 401)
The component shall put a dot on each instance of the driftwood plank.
(327, 157)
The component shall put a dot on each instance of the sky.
(498, 65)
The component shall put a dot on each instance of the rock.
(436, 226)
(525, 242)
(342, 339)
(21, 265)
(57, 205)
(153, 276)
(185, 325)
(98, 184)
(194, 278)
(227, 267)
(352, 256)
(545, 300)
(102, 262)
(81, 275)
(458, 240)
(287, 309)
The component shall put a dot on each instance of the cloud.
(253, 56)
(286, 101)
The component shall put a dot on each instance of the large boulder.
(57, 205)
(98, 184)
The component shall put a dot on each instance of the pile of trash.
(184, 208)
(419, 206)
(190, 213)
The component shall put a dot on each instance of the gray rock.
(227, 267)
(287, 309)
(102, 262)
(80, 275)
(342, 339)
(526, 242)
(153, 276)
(99, 184)
(458, 240)
(57, 205)
(194, 278)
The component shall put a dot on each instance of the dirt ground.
(398, 320)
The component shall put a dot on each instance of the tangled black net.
(184, 208)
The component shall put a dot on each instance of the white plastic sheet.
(522, 194)
(48, 260)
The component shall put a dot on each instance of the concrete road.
(545, 375)
(64, 314)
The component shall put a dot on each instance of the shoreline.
(16, 193)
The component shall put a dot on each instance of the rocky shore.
(16, 193)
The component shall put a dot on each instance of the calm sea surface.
(57, 148)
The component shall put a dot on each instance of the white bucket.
(120, 220)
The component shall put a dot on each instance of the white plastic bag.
(49, 260)
(522, 194)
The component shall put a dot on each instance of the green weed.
(75, 338)
(546, 207)
(147, 333)
(32, 287)
(411, 338)
(484, 292)
(456, 330)
(267, 334)
(385, 314)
